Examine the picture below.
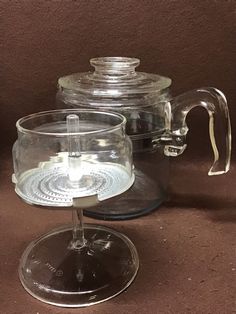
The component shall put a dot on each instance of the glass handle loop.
(215, 103)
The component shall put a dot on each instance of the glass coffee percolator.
(156, 124)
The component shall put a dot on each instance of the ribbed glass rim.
(122, 121)
(115, 61)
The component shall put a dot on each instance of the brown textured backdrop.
(193, 42)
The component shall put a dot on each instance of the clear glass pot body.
(156, 124)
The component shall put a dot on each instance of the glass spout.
(215, 103)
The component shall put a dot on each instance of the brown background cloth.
(187, 247)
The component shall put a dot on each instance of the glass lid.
(114, 77)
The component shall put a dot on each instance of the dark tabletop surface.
(187, 248)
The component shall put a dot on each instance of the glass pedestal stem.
(78, 240)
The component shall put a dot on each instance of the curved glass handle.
(215, 103)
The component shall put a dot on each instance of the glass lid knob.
(115, 65)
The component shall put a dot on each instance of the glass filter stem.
(74, 150)
(74, 172)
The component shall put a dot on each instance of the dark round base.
(51, 271)
(112, 215)
(142, 198)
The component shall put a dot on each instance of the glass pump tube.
(74, 154)
(74, 173)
